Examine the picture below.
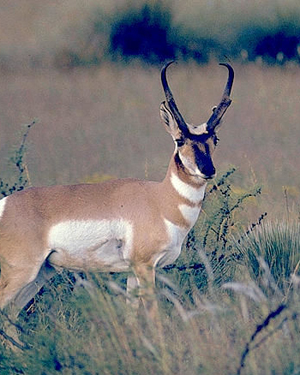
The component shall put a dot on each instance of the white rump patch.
(106, 241)
(2, 205)
(187, 191)
(189, 213)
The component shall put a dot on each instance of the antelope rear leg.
(13, 280)
(16, 286)
(30, 290)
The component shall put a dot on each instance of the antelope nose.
(209, 172)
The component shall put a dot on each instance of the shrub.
(144, 31)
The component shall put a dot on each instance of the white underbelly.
(91, 244)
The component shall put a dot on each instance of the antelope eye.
(179, 142)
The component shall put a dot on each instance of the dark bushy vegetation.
(144, 33)
(149, 32)
(277, 45)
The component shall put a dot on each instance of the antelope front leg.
(145, 277)
(132, 293)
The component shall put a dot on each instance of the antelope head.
(194, 144)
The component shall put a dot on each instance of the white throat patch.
(187, 191)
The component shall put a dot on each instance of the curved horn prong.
(225, 102)
(229, 84)
(170, 99)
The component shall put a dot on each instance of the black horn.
(170, 99)
(225, 102)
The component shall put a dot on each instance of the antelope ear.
(169, 121)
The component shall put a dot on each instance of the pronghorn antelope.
(119, 225)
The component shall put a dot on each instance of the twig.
(259, 328)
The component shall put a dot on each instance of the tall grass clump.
(272, 253)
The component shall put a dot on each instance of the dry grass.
(208, 336)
